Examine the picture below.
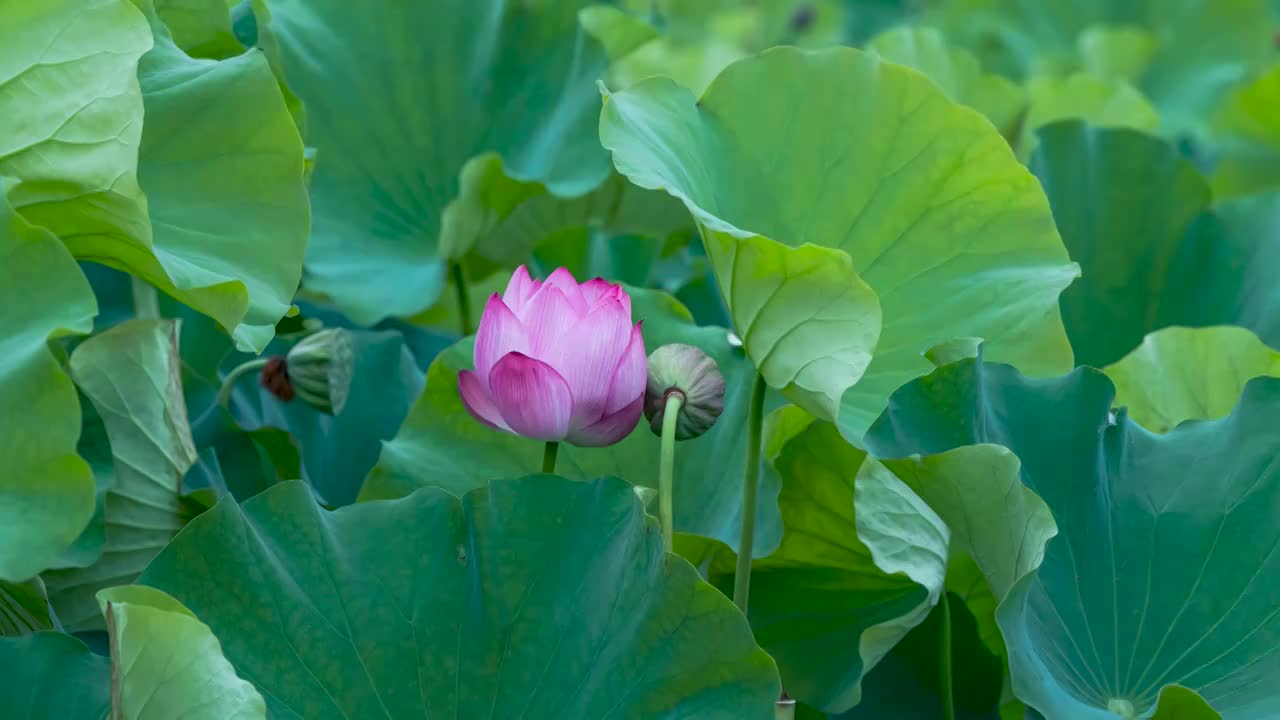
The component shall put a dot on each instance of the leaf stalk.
(750, 491)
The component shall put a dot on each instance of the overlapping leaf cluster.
(1006, 268)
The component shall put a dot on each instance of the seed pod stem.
(666, 468)
(229, 384)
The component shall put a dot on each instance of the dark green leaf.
(1135, 215)
(517, 79)
(1110, 617)
(539, 597)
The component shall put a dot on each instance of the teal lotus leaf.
(1136, 216)
(540, 597)
(1109, 618)
(518, 80)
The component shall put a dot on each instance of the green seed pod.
(320, 369)
(687, 371)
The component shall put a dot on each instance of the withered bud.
(275, 378)
(320, 367)
(691, 373)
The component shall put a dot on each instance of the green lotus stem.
(671, 414)
(229, 384)
(549, 457)
(944, 662)
(146, 301)
(750, 489)
(464, 300)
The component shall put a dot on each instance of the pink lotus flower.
(556, 361)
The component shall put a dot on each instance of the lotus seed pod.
(320, 369)
(687, 371)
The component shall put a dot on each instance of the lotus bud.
(319, 369)
(557, 360)
(691, 373)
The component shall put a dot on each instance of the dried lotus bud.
(275, 378)
(691, 373)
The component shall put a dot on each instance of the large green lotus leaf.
(956, 71)
(949, 230)
(1135, 214)
(441, 445)
(219, 135)
(46, 489)
(71, 116)
(1247, 130)
(1109, 617)
(1180, 374)
(132, 374)
(862, 561)
(216, 135)
(1097, 101)
(518, 80)
(539, 597)
(164, 664)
